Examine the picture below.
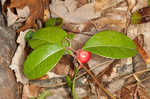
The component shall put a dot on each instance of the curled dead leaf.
(36, 7)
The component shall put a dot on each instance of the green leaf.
(35, 43)
(42, 60)
(69, 82)
(54, 22)
(54, 35)
(136, 18)
(28, 35)
(111, 44)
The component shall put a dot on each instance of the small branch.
(73, 50)
(139, 72)
(92, 68)
(99, 85)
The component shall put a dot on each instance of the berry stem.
(92, 76)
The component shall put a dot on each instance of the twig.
(99, 85)
(136, 78)
(135, 92)
(141, 81)
(145, 79)
(94, 67)
(142, 71)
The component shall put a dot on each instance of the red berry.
(84, 56)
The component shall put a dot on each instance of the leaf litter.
(87, 16)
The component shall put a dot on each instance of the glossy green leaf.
(54, 22)
(28, 35)
(47, 35)
(136, 18)
(42, 60)
(111, 44)
(35, 43)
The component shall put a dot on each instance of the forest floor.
(126, 78)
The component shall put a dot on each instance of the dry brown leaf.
(99, 4)
(64, 66)
(107, 71)
(78, 15)
(143, 94)
(87, 27)
(30, 91)
(110, 23)
(71, 5)
(131, 3)
(129, 92)
(36, 7)
(82, 2)
(139, 4)
(11, 18)
(18, 59)
(46, 15)
(142, 52)
(125, 93)
(114, 19)
(141, 29)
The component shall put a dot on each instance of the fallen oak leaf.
(36, 7)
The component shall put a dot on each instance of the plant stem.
(93, 77)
